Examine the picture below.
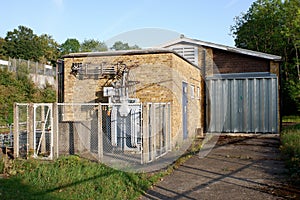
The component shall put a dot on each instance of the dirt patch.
(236, 168)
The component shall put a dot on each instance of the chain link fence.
(40, 74)
(6, 140)
(121, 136)
(14, 65)
(78, 126)
(6, 136)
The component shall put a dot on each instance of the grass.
(71, 178)
(290, 148)
(292, 118)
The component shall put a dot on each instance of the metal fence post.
(153, 128)
(16, 130)
(145, 134)
(100, 134)
(30, 120)
(169, 128)
(55, 130)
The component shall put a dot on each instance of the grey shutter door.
(243, 104)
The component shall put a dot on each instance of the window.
(192, 91)
(198, 92)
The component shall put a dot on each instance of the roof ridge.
(223, 47)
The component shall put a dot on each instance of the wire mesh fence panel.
(6, 136)
(101, 132)
(122, 134)
(157, 136)
(32, 67)
(78, 130)
(114, 134)
(20, 65)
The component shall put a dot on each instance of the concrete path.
(236, 168)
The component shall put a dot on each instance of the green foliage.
(123, 46)
(2, 50)
(290, 148)
(1, 165)
(273, 26)
(291, 96)
(291, 118)
(23, 43)
(70, 46)
(92, 46)
(50, 49)
(18, 87)
(46, 94)
(71, 178)
(258, 28)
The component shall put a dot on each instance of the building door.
(184, 109)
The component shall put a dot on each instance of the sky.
(143, 22)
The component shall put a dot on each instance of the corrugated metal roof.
(185, 40)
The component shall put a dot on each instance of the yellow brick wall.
(159, 79)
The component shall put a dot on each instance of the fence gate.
(21, 127)
(42, 130)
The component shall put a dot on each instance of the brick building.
(241, 92)
(210, 87)
(154, 76)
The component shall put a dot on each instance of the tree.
(291, 28)
(23, 43)
(92, 45)
(2, 50)
(273, 26)
(123, 46)
(70, 46)
(50, 49)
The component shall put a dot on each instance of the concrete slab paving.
(236, 168)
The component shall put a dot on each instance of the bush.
(290, 149)
(18, 87)
(1, 166)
